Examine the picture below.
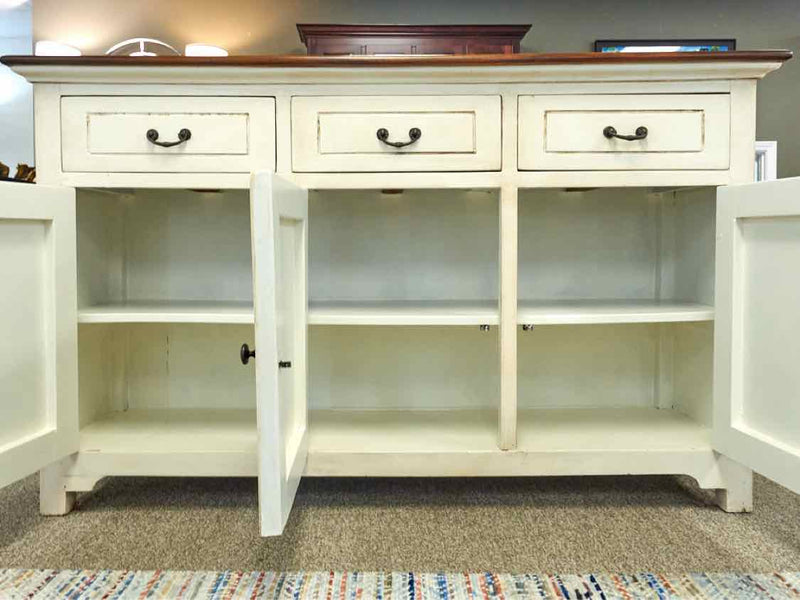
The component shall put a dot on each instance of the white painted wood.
(168, 431)
(575, 312)
(372, 181)
(219, 442)
(38, 346)
(370, 442)
(279, 218)
(55, 499)
(338, 134)
(736, 495)
(672, 72)
(617, 379)
(420, 245)
(403, 312)
(588, 366)
(509, 223)
(686, 132)
(163, 366)
(166, 247)
(396, 368)
(107, 134)
(550, 442)
(743, 130)
(47, 133)
(756, 421)
(168, 312)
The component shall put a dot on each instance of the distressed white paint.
(38, 345)
(108, 134)
(617, 379)
(338, 133)
(757, 382)
(279, 221)
(688, 132)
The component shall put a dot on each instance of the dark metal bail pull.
(639, 134)
(413, 134)
(183, 135)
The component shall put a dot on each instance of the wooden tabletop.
(469, 60)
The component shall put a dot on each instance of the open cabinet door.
(38, 328)
(757, 328)
(279, 221)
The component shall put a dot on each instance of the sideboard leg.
(737, 495)
(54, 499)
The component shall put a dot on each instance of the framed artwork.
(664, 45)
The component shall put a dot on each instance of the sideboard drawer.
(110, 134)
(571, 133)
(341, 133)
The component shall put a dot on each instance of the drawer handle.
(639, 134)
(414, 134)
(183, 135)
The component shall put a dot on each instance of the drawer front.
(340, 133)
(109, 134)
(567, 133)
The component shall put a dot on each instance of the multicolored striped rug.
(230, 585)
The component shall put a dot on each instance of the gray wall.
(16, 100)
(264, 26)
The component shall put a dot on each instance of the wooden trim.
(468, 60)
(414, 31)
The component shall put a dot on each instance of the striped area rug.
(230, 585)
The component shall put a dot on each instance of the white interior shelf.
(169, 431)
(403, 312)
(159, 311)
(609, 429)
(577, 312)
(403, 431)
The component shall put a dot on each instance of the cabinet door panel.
(38, 328)
(279, 221)
(757, 345)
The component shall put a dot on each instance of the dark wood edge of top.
(468, 60)
(331, 29)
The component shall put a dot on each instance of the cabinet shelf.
(609, 430)
(575, 312)
(208, 442)
(550, 442)
(171, 442)
(404, 312)
(168, 312)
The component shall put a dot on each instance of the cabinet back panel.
(416, 245)
(581, 366)
(688, 243)
(403, 367)
(164, 245)
(693, 369)
(616, 244)
(163, 366)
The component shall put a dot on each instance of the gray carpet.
(562, 525)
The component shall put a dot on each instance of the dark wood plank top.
(469, 60)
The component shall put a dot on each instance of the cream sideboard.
(460, 266)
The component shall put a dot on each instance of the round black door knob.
(245, 354)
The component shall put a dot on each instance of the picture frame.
(671, 45)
